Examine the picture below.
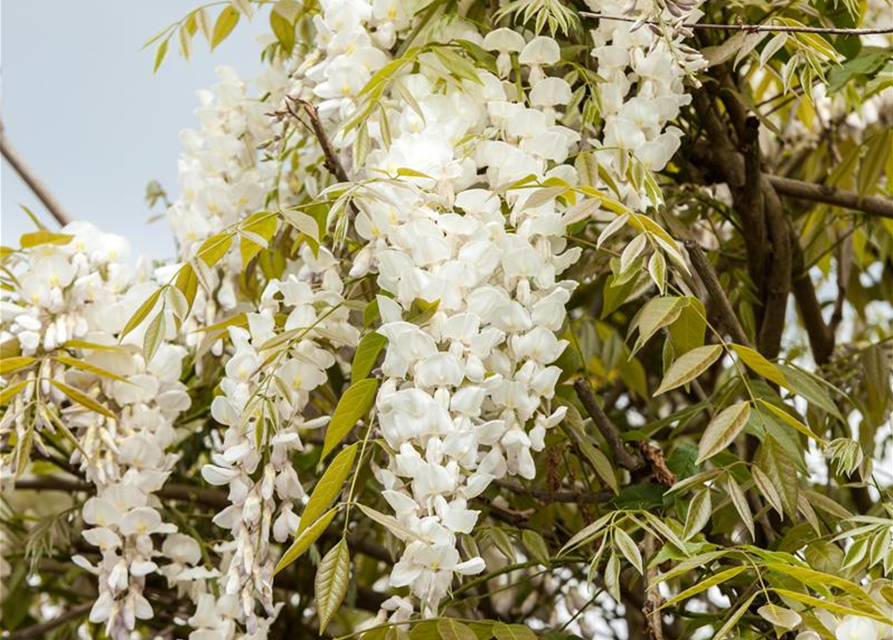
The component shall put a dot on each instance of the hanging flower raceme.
(277, 361)
(79, 295)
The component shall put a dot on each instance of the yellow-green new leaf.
(703, 585)
(36, 238)
(790, 420)
(302, 542)
(734, 618)
(10, 365)
(723, 430)
(331, 582)
(91, 368)
(512, 632)
(141, 313)
(366, 354)
(449, 629)
(757, 363)
(354, 404)
(688, 367)
(328, 487)
(12, 391)
(226, 22)
(82, 399)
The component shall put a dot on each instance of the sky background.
(80, 104)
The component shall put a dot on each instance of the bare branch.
(40, 630)
(749, 28)
(30, 178)
(624, 457)
(332, 162)
(872, 205)
(711, 282)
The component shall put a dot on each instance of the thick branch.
(821, 337)
(40, 630)
(872, 205)
(749, 28)
(30, 178)
(711, 282)
(624, 457)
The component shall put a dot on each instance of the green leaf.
(328, 487)
(302, 542)
(390, 523)
(821, 581)
(764, 484)
(779, 616)
(833, 607)
(512, 632)
(366, 354)
(656, 314)
(734, 618)
(141, 313)
(226, 22)
(698, 516)
(536, 547)
(215, 247)
(703, 585)
(739, 501)
(354, 404)
(723, 430)
(154, 336)
(872, 165)
(688, 367)
(82, 399)
(331, 582)
(454, 630)
(760, 365)
(779, 467)
(628, 548)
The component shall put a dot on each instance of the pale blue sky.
(80, 104)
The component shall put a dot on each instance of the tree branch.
(332, 162)
(872, 205)
(711, 282)
(624, 457)
(39, 630)
(749, 28)
(30, 178)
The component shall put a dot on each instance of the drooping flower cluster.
(269, 377)
(644, 70)
(74, 298)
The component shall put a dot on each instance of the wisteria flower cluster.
(404, 256)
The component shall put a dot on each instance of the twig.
(332, 162)
(872, 205)
(30, 178)
(207, 497)
(708, 276)
(749, 28)
(39, 630)
(596, 497)
(624, 457)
